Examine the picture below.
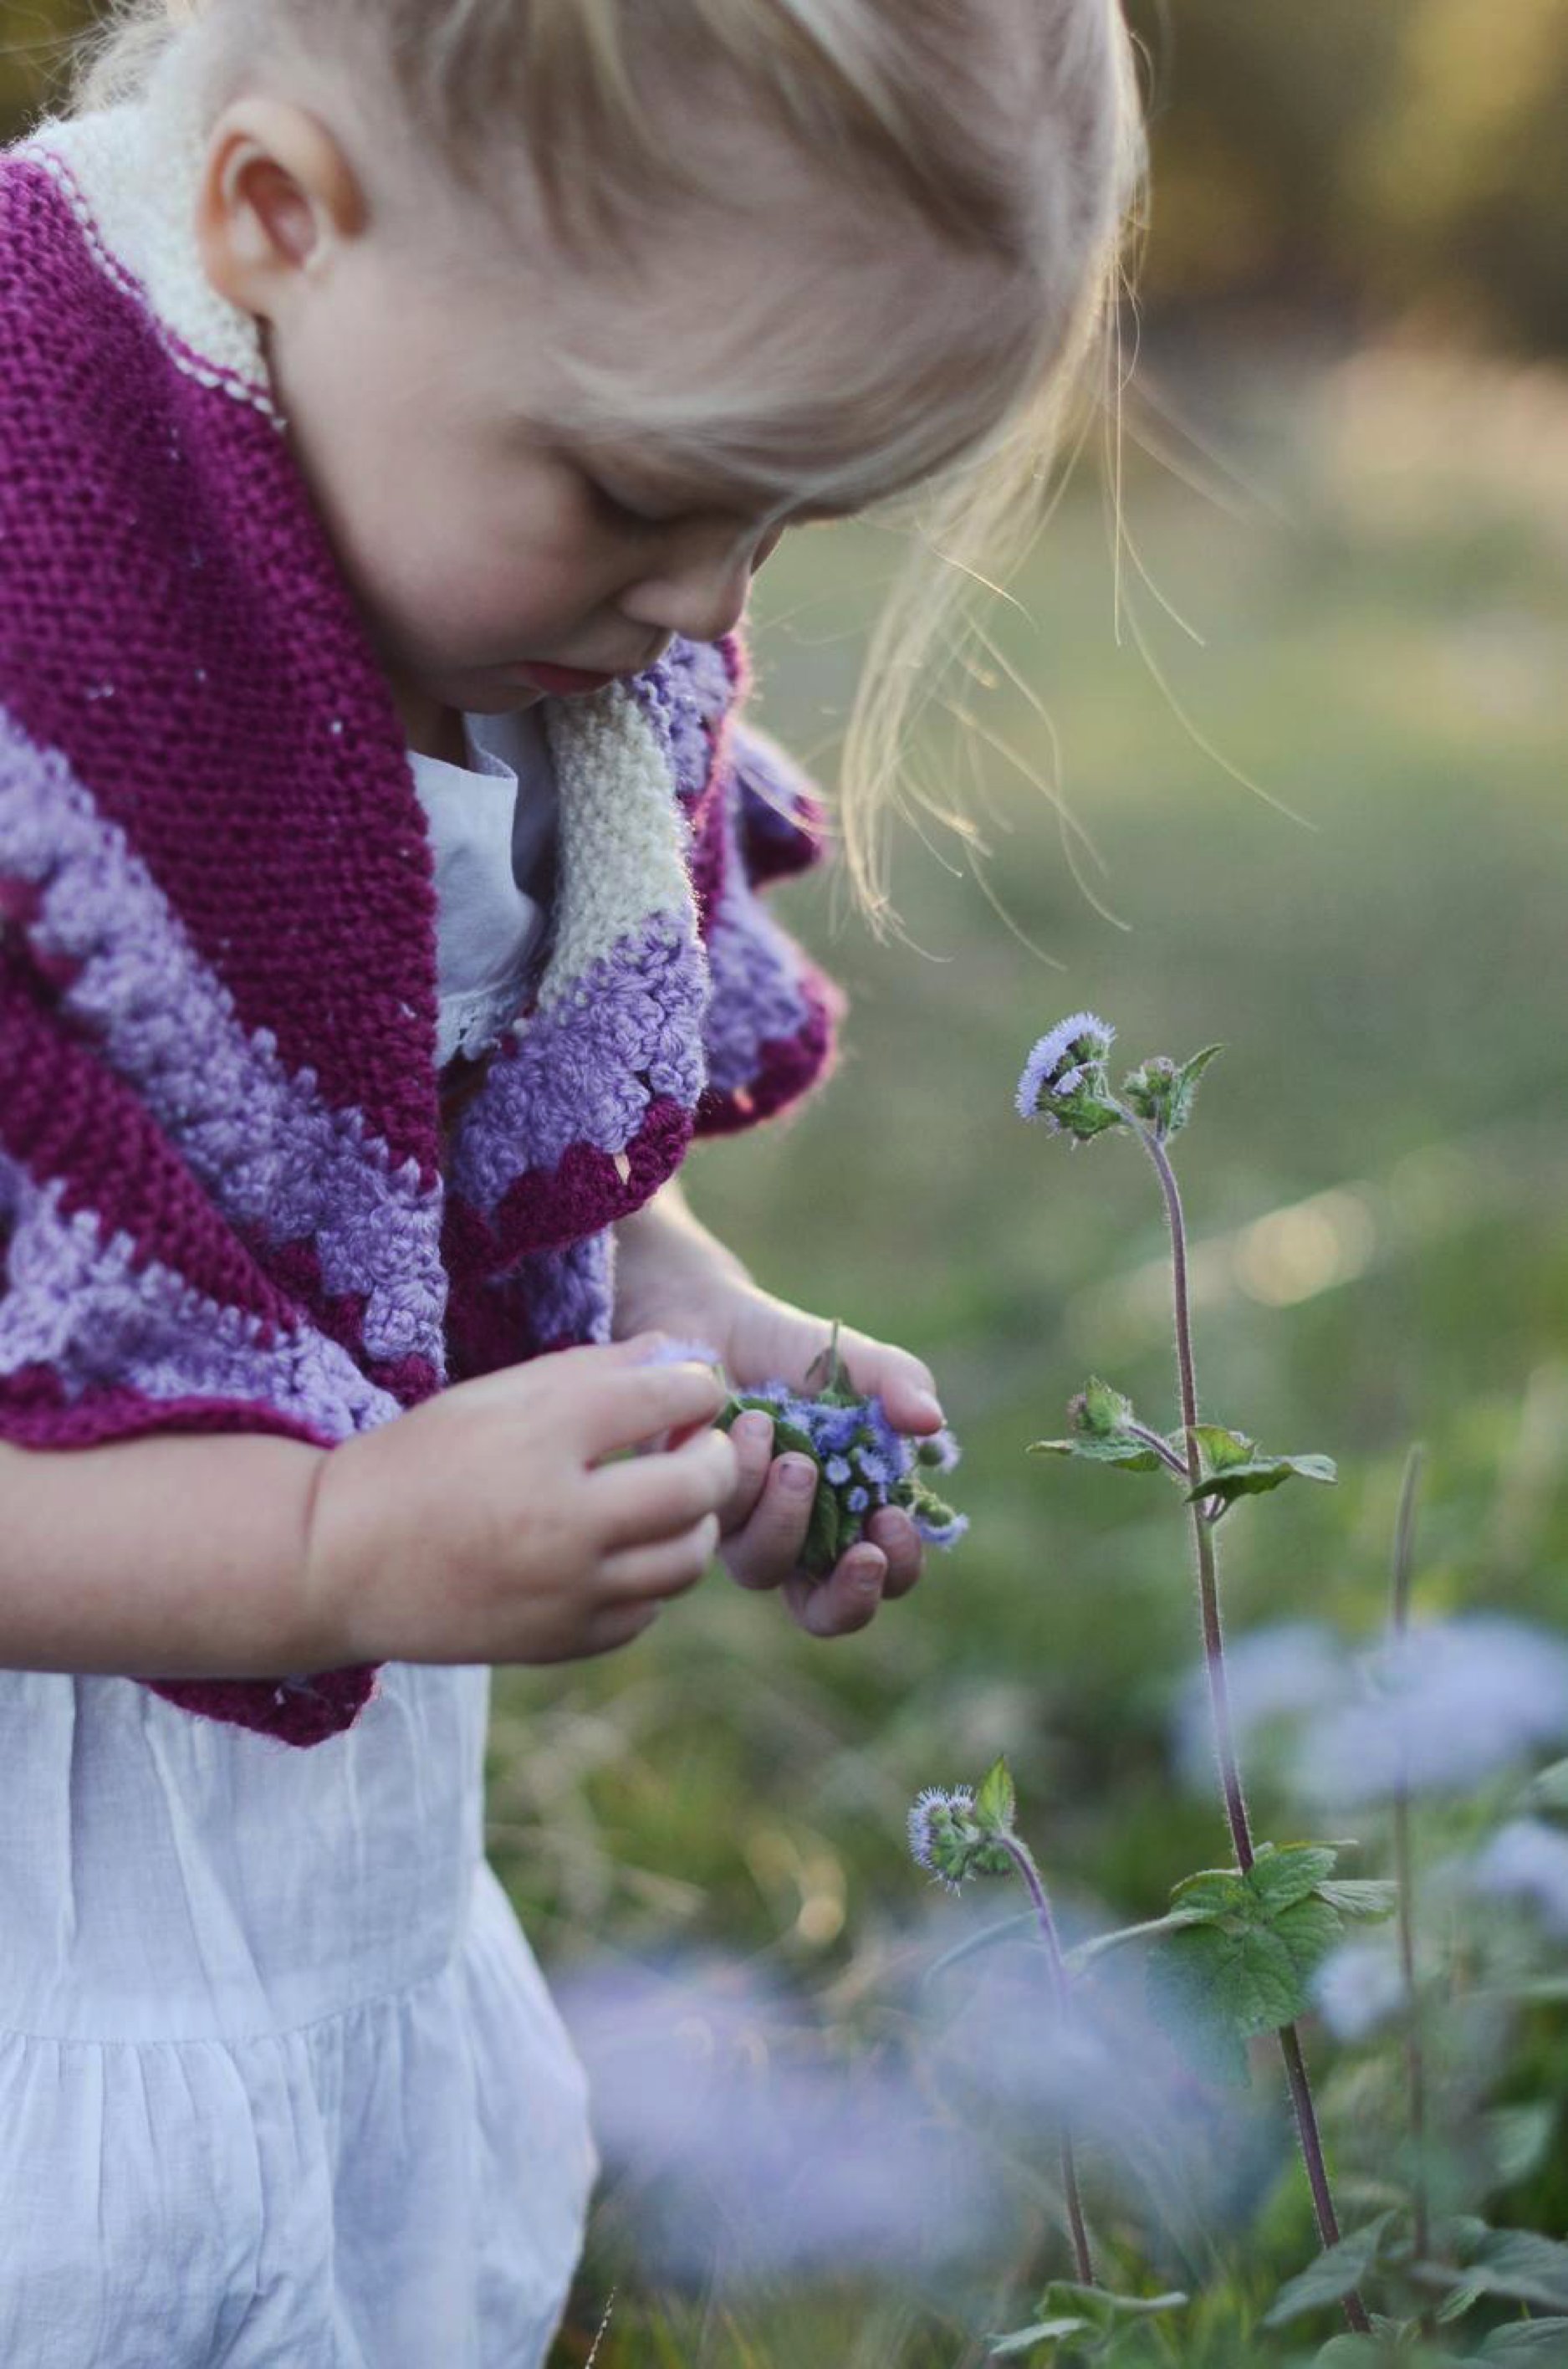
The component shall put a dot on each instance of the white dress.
(280, 2083)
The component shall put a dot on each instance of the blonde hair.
(1018, 142)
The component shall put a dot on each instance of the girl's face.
(423, 370)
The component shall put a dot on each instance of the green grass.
(1390, 977)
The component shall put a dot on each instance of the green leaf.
(1547, 1789)
(1219, 1449)
(1213, 1892)
(1233, 1467)
(996, 1803)
(1332, 2276)
(1545, 2340)
(1366, 1897)
(1520, 2136)
(1126, 1455)
(823, 1532)
(1522, 2264)
(1044, 2331)
(1285, 1872)
(1106, 2305)
(1352, 2352)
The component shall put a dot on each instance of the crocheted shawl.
(225, 1201)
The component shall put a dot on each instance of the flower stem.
(1023, 1860)
(1219, 1694)
(1403, 1868)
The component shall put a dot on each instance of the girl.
(397, 398)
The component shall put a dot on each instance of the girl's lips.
(553, 678)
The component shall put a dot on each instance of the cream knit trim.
(131, 175)
(623, 836)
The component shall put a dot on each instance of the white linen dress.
(281, 2086)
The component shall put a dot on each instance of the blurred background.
(1308, 707)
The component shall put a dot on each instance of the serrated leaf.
(1221, 1450)
(1285, 1872)
(1247, 1978)
(1309, 1929)
(1252, 1476)
(1126, 1455)
(1544, 2340)
(1213, 1892)
(1332, 2276)
(996, 1803)
(1100, 1410)
(1366, 1897)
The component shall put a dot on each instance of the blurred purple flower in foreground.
(1358, 1987)
(1449, 1704)
(745, 2139)
(1529, 1860)
(754, 2147)
(1443, 1707)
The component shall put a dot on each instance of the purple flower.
(874, 1466)
(837, 1470)
(941, 1534)
(1059, 1055)
(1358, 1987)
(857, 1499)
(941, 1831)
(1529, 1859)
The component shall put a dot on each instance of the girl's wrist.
(672, 1274)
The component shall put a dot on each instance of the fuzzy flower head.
(863, 1464)
(1065, 1081)
(948, 1839)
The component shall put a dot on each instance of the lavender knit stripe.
(758, 992)
(683, 697)
(585, 1070)
(570, 1292)
(82, 1306)
(277, 1160)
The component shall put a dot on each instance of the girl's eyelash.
(620, 509)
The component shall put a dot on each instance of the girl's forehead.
(824, 379)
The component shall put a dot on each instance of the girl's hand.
(763, 1525)
(490, 1524)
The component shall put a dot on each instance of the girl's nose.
(701, 590)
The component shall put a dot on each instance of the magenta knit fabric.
(223, 1202)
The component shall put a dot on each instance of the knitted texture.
(226, 1198)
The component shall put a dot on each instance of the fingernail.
(928, 1405)
(797, 1474)
(755, 1429)
(867, 1575)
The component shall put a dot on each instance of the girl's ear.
(277, 198)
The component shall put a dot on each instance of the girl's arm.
(500, 1521)
(170, 1557)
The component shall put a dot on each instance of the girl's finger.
(846, 1600)
(656, 1497)
(633, 1404)
(768, 1547)
(900, 1542)
(636, 1574)
(751, 1436)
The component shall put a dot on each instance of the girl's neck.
(431, 729)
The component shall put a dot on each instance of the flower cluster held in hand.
(862, 1463)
